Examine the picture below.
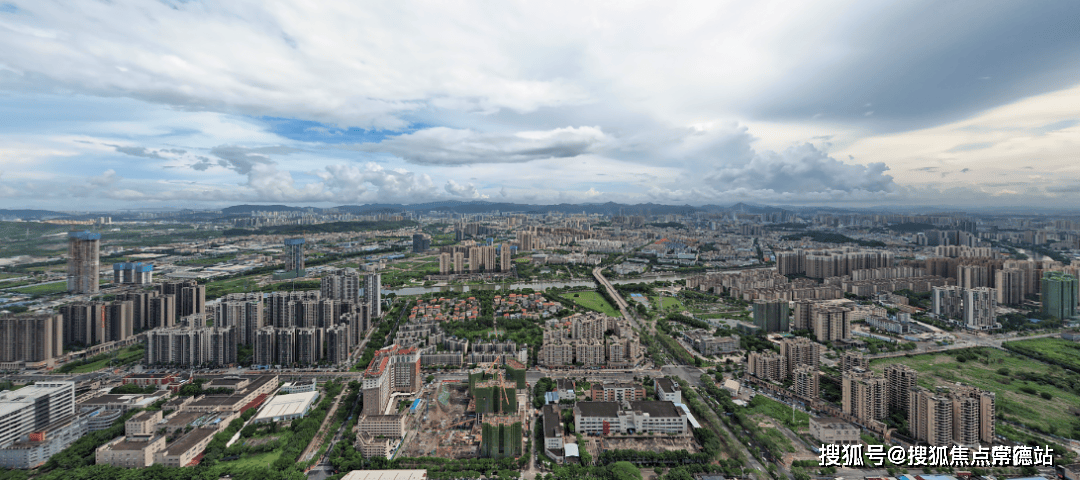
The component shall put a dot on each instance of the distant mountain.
(30, 214)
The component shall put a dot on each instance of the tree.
(624, 471)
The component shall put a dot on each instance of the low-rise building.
(299, 387)
(617, 392)
(832, 430)
(182, 452)
(374, 447)
(603, 418)
(130, 452)
(286, 407)
(391, 426)
(553, 431)
(34, 449)
(386, 475)
(667, 390)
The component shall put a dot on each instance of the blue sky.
(193, 104)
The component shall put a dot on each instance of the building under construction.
(83, 261)
(500, 436)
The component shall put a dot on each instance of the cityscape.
(700, 241)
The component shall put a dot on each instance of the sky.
(201, 104)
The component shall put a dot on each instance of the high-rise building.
(802, 315)
(265, 346)
(505, 263)
(81, 324)
(1059, 295)
(930, 417)
(136, 273)
(799, 351)
(972, 276)
(190, 297)
(901, 380)
(33, 408)
(446, 263)
(33, 339)
(244, 311)
(459, 262)
(980, 307)
(118, 318)
(394, 369)
(420, 243)
(947, 301)
(853, 359)
(952, 415)
(191, 346)
(865, 395)
(1009, 283)
(83, 262)
(373, 293)
(140, 308)
(294, 256)
(805, 381)
(771, 316)
(341, 285)
(831, 323)
(766, 365)
(162, 311)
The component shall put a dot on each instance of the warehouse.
(286, 407)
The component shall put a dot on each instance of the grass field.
(670, 303)
(1005, 374)
(259, 460)
(593, 301)
(125, 356)
(782, 413)
(42, 289)
(1052, 350)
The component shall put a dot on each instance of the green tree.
(624, 471)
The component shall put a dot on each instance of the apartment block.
(865, 395)
(853, 359)
(901, 380)
(34, 339)
(806, 381)
(617, 392)
(799, 351)
(767, 365)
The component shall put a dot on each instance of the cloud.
(448, 146)
(137, 152)
(967, 147)
(802, 169)
(243, 160)
(463, 191)
(1060, 125)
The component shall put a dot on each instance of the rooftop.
(657, 409)
(665, 384)
(291, 404)
(127, 444)
(188, 441)
(386, 475)
(552, 424)
(598, 409)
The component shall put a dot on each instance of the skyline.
(130, 105)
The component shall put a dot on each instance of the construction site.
(481, 418)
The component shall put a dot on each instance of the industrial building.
(831, 430)
(34, 408)
(286, 407)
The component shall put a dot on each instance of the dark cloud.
(937, 55)
(243, 160)
(448, 146)
(802, 169)
(965, 170)
(137, 152)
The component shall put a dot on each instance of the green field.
(42, 289)
(1007, 375)
(782, 413)
(670, 303)
(128, 355)
(1051, 350)
(258, 460)
(593, 301)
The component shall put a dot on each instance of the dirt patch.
(657, 443)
